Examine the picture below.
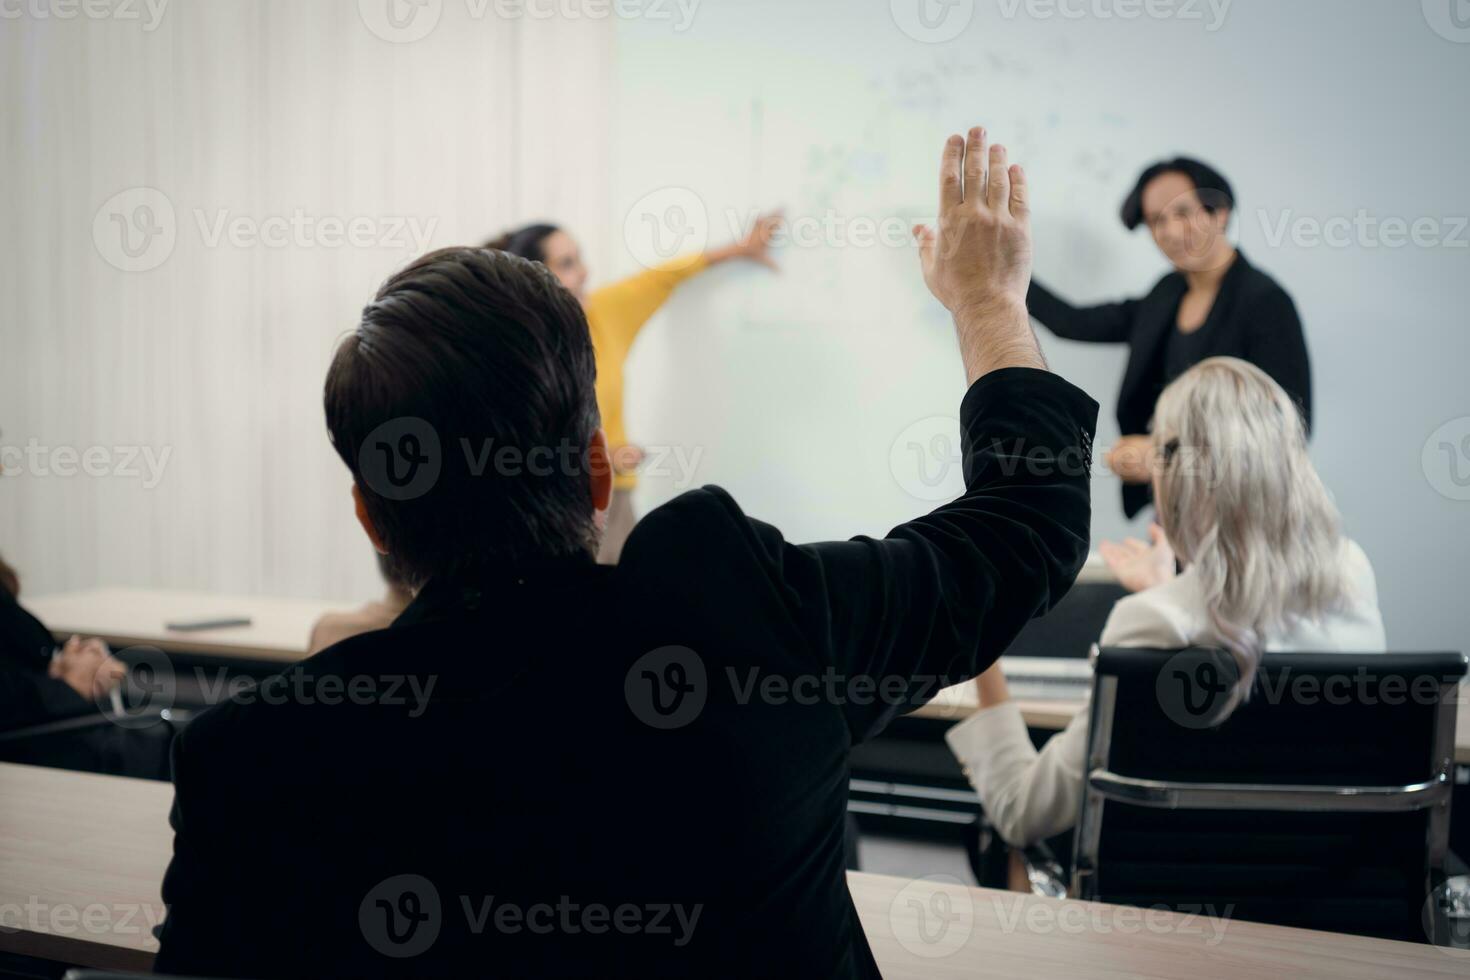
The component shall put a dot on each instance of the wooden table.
(280, 629)
(278, 632)
(81, 858)
(980, 933)
(81, 861)
(960, 702)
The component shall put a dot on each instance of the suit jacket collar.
(1152, 331)
(468, 592)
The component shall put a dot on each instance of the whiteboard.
(825, 398)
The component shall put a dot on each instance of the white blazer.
(1030, 795)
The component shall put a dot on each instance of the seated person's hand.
(88, 667)
(1139, 565)
(627, 458)
(1132, 459)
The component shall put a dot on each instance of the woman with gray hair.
(1266, 567)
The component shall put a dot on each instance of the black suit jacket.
(28, 696)
(636, 771)
(1253, 319)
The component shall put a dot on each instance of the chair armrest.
(110, 975)
(97, 720)
(1172, 795)
(76, 723)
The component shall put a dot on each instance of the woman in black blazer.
(30, 694)
(1213, 303)
(40, 685)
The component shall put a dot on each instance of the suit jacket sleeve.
(1108, 323)
(1277, 345)
(28, 695)
(1030, 795)
(621, 309)
(937, 600)
(207, 915)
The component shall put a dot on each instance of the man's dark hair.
(526, 242)
(389, 570)
(9, 580)
(463, 405)
(1213, 189)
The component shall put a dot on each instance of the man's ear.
(363, 518)
(600, 471)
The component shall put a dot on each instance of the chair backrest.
(1073, 624)
(113, 975)
(1321, 802)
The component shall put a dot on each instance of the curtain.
(201, 195)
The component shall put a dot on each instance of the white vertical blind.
(304, 150)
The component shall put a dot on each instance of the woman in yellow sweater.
(615, 314)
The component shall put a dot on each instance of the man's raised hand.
(978, 261)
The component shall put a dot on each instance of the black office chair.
(907, 782)
(1322, 802)
(133, 743)
(1071, 628)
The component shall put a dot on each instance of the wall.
(292, 155)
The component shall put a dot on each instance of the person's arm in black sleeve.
(1278, 346)
(936, 601)
(1107, 323)
(29, 697)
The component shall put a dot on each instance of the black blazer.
(1253, 319)
(668, 737)
(28, 696)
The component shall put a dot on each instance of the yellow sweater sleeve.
(615, 314)
(622, 308)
